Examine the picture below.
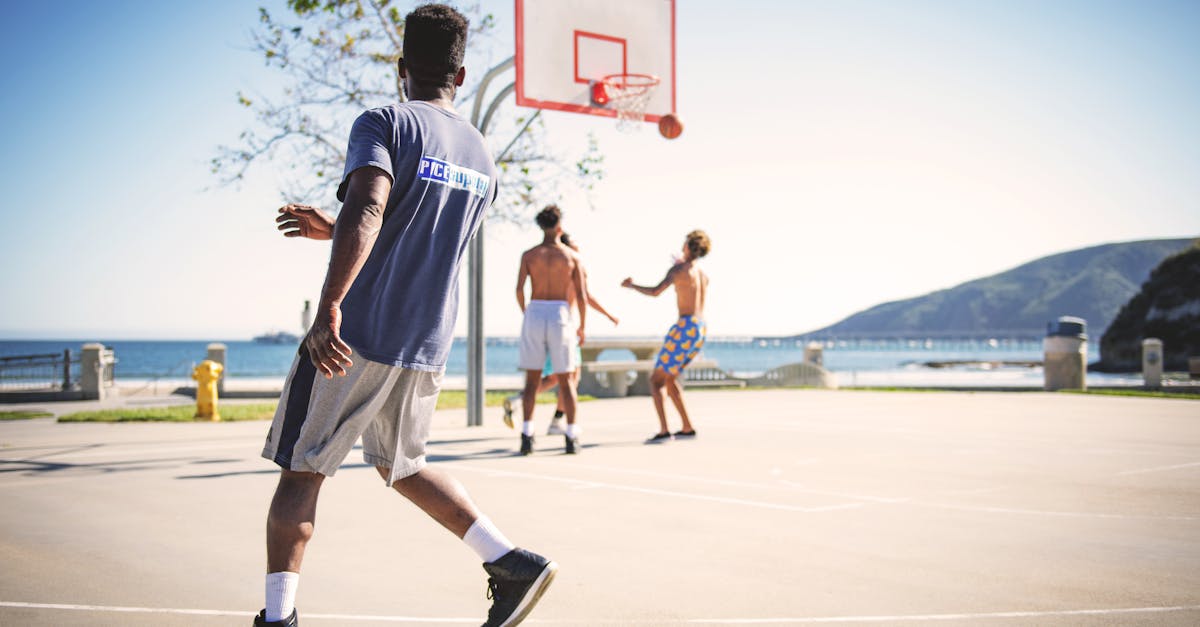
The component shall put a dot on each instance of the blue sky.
(840, 154)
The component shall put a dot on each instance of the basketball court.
(791, 507)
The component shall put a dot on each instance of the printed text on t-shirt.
(456, 176)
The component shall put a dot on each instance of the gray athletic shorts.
(319, 420)
(547, 333)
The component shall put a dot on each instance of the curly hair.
(435, 41)
(698, 243)
(548, 218)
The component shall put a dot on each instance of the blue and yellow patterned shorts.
(681, 345)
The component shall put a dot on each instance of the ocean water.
(878, 362)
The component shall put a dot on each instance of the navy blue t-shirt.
(402, 306)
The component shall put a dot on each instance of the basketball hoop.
(628, 95)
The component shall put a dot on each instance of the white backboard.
(563, 45)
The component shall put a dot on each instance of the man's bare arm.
(522, 274)
(354, 235)
(579, 278)
(595, 304)
(652, 291)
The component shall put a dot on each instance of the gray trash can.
(1065, 354)
(1152, 363)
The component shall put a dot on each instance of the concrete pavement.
(791, 507)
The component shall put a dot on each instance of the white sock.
(486, 540)
(527, 427)
(281, 595)
(571, 430)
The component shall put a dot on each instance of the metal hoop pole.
(481, 91)
(487, 117)
(476, 347)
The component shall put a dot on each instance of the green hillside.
(1168, 308)
(1091, 283)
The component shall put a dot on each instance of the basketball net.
(628, 95)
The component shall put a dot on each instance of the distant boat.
(278, 337)
(283, 337)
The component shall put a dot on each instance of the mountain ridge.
(1092, 283)
(1167, 307)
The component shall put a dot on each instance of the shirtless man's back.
(550, 268)
(690, 283)
(685, 338)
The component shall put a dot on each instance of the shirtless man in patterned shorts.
(686, 336)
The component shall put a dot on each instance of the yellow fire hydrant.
(206, 375)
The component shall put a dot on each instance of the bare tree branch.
(339, 57)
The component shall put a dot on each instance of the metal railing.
(108, 361)
(48, 371)
(51, 371)
(711, 377)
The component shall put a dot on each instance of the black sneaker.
(571, 444)
(516, 582)
(261, 620)
(659, 438)
(685, 434)
(526, 444)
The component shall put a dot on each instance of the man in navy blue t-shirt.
(417, 183)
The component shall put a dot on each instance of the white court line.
(1042, 512)
(1142, 471)
(237, 613)
(908, 618)
(583, 483)
(792, 485)
(658, 475)
(863, 499)
(979, 440)
(692, 621)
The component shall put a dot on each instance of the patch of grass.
(448, 399)
(886, 388)
(1136, 392)
(177, 413)
(23, 415)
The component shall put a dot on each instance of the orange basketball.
(669, 126)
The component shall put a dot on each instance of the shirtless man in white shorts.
(554, 272)
(549, 382)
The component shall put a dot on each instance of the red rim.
(631, 83)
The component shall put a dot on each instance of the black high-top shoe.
(515, 584)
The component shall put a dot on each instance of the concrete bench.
(609, 379)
